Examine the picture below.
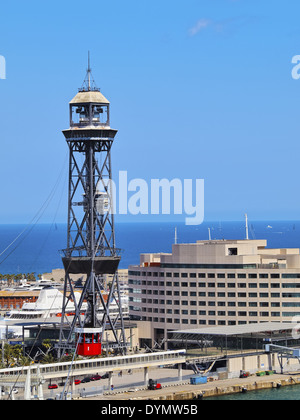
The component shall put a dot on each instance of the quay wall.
(202, 392)
(230, 383)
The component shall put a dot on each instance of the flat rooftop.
(247, 254)
(234, 330)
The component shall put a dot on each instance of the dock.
(185, 391)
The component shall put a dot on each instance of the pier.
(185, 391)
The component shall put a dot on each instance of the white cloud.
(199, 26)
(221, 25)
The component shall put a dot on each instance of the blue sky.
(200, 89)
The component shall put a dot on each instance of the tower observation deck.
(91, 249)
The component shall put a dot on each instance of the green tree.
(13, 356)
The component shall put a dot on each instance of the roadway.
(127, 382)
(139, 364)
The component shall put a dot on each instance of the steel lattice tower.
(91, 248)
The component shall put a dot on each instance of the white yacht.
(36, 285)
(47, 309)
(41, 284)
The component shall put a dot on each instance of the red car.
(52, 386)
(95, 378)
(77, 381)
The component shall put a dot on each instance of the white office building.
(216, 282)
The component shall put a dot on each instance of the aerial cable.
(53, 222)
(32, 347)
(35, 219)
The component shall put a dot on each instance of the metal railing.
(108, 364)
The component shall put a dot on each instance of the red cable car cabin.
(88, 341)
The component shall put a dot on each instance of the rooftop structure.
(233, 253)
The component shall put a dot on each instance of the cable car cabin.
(88, 341)
(89, 344)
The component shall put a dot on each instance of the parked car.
(95, 377)
(85, 380)
(52, 386)
(105, 376)
(77, 381)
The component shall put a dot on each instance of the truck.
(153, 385)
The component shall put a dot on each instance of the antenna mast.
(247, 232)
(89, 72)
(89, 83)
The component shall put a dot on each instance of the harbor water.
(284, 393)
(26, 249)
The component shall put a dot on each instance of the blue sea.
(26, 249)
(286, 393)
(37, 249)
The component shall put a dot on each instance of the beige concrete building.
(207, 283)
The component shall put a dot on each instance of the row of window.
(215, 275)
(219, 304)
(136, 292)
(210, 321)
(229, 304)
(214, 285)
(204, 313)
(231, 313)
(200, 284)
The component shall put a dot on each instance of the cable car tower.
(91, 249)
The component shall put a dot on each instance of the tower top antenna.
(89, 71)
(89, 83)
